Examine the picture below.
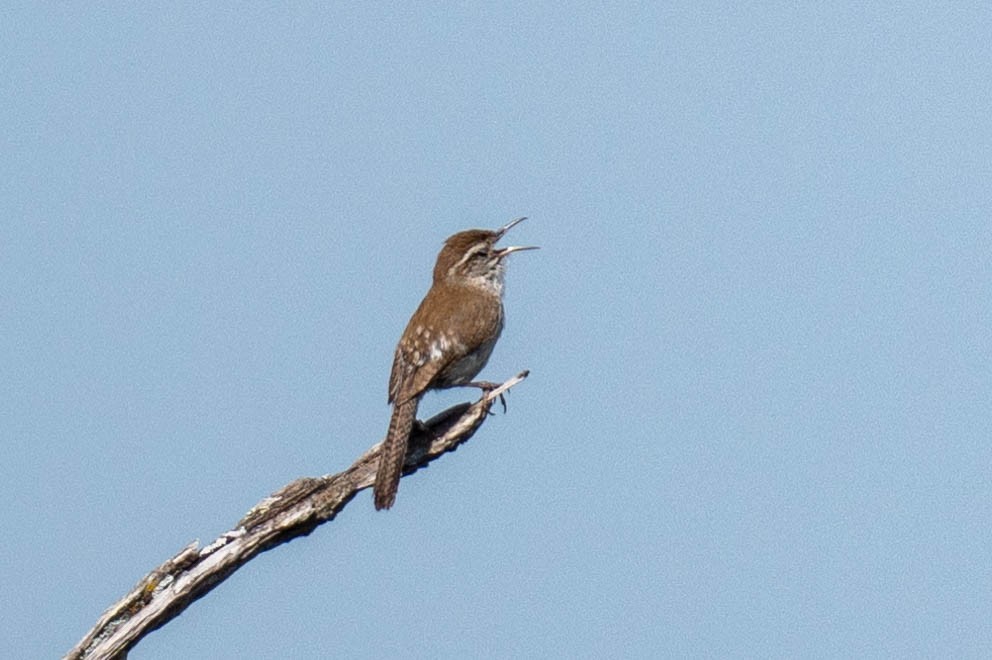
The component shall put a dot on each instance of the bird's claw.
(487, 387)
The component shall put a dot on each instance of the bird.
(447, 341)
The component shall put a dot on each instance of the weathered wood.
(293, 511)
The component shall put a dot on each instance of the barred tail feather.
(393, 453)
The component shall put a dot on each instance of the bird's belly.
(465, 369)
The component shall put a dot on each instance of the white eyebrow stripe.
(478, 247)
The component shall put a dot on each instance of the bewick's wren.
(447, 341)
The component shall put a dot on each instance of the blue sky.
(758, 419)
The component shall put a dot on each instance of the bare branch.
(293, 511)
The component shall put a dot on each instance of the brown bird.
(447, 341)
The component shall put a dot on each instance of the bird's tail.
(393, 453)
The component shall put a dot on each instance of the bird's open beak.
(515, 248)
(508, 226)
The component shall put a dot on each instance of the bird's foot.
(487, 387)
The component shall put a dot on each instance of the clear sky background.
(758, 421)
